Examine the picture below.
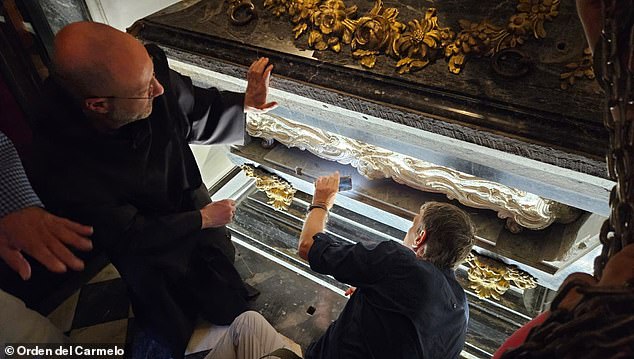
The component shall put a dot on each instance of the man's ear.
(97, 104)
(420, 240)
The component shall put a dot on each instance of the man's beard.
(121, 118)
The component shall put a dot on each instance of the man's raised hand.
(258, 78)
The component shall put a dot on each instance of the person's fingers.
(43, 255)
(267, 73)
(73, 239)
(335, 178)
(253, 65)
(252, 72)
(65, 255)
(65, 231)
(80, 229)
(227, 202)
(259, 66)
(350, 291)
(262, 65)
(267, 106)
(14, 259)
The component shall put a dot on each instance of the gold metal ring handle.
(243, 6)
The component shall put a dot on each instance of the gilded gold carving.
(421, 43)
(577, 70)
(474, 39)
(330, 23)
(278, 7)
(301, 12)
(279, 191)
(486, 39)
(490, 278)
(526, 209)
(331, 26)
(374, 34)
(531, 16)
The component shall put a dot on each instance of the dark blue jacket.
(403, 307)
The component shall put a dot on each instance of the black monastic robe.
(141, 189)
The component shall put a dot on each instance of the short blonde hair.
(450, 234)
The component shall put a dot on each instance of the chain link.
(617, 232)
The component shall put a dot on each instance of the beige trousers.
(19, 324)
(250, 336)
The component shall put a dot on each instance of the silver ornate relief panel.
(518, 207)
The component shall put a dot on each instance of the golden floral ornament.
(421, 43)
(330, 23)
(331, 26)
(530, 17)
(487, 39)
(517, 30)
(374, 34)
(278, 7)
(578, 70)
(301, 12)
(279, 191)
(474, 39)
(490, 278)
(538, 11)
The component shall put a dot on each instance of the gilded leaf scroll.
(332, 23)
(490, 278)
(331, 26)
(578, 70)
(486, 39)
(422, 42)
(279, 191)
(374, 33)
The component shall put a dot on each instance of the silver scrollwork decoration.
(526, 209)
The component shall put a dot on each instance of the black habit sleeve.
(211, 116)
(125, 225)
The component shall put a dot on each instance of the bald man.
(112, 151)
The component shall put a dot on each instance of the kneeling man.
(408, 303)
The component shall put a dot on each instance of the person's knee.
(250, 318)
(250, 324)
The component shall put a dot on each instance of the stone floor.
(100, 311)
(299, 303)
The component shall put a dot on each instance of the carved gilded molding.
(490, 278)
(331, 23)
(578, 70)
(422, 42)
(486, 39)
(522, 208)
(279, 191)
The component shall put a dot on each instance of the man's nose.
(158, 88)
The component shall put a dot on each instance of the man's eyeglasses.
(148, 97)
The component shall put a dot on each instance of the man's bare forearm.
(315, 223)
